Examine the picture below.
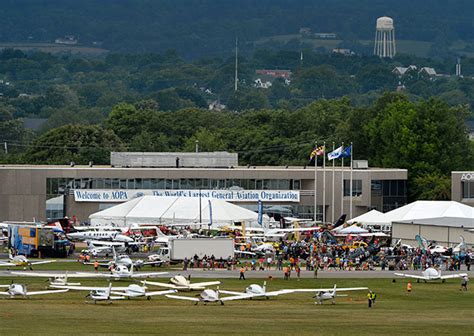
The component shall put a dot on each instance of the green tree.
(78, 143)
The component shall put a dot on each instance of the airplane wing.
(52, 275)
(42, 262)
(5, 293)
(453, 276)
(183, 298)
(147, 275)
(89, 288)
(105, 244)
(204, 284)
(144, 263)
(244, 252)
(236, 297)
(47, 292)
(413, 276)
(162, 284)
(230, 292)
(316, 290)
(7, 264)
(100, 264)
(160, 292)
(279, 292)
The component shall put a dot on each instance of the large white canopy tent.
(373, 217)
(168, 210)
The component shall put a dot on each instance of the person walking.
(96, 266)
(242, 273)
(369, 298)
(409, 287)
(464, 282)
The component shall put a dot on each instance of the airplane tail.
(115, 253)
(334, 291)
(10, 256)
(340, 221)
(264, 286)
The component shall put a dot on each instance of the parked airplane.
(108, 235)
(329, 293)
(123, 259)
(122, 272)
(255, 290)
(132, 290)
(179, 282)
(21, 260)
(15, 290)
(209, 295)
(431, 274)
(103, 294)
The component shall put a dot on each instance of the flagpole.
(315, 183)
(333, 171)
(342, 182)
(350, 188)
(324, 184)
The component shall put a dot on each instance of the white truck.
(180, 248)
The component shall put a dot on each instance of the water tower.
(385, 38)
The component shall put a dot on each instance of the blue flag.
(260, 212)
(346, 152)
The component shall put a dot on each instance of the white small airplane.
(55, 279)
(96, 247)
(130, 291)
(209, 296)
(179, 282)
(122, 272)
(113, 236)
(15, 290)
(329, 293)
(123, 259)
(255, 290)
(21, 260)
(430, 274)
(103, 294)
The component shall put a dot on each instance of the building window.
(356, 187)
(467, 189)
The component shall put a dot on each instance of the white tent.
(167, 210)
(353, 229)
(373, 217)
(429, 209)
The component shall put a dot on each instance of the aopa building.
(462, 187)
(40, 192)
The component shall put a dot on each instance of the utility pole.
(236, 77)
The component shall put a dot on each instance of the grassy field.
(431, 309)
(55, 48)
(418, 48)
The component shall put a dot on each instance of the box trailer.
(179, 249)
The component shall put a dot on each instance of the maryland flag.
(317, 151)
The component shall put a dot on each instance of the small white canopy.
(353, 229)
(166, 210)
(373, 217)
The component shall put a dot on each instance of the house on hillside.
(402, 71)
(264, 78)
(67, 40)
(427, 72)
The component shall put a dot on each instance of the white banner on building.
(94, 195)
